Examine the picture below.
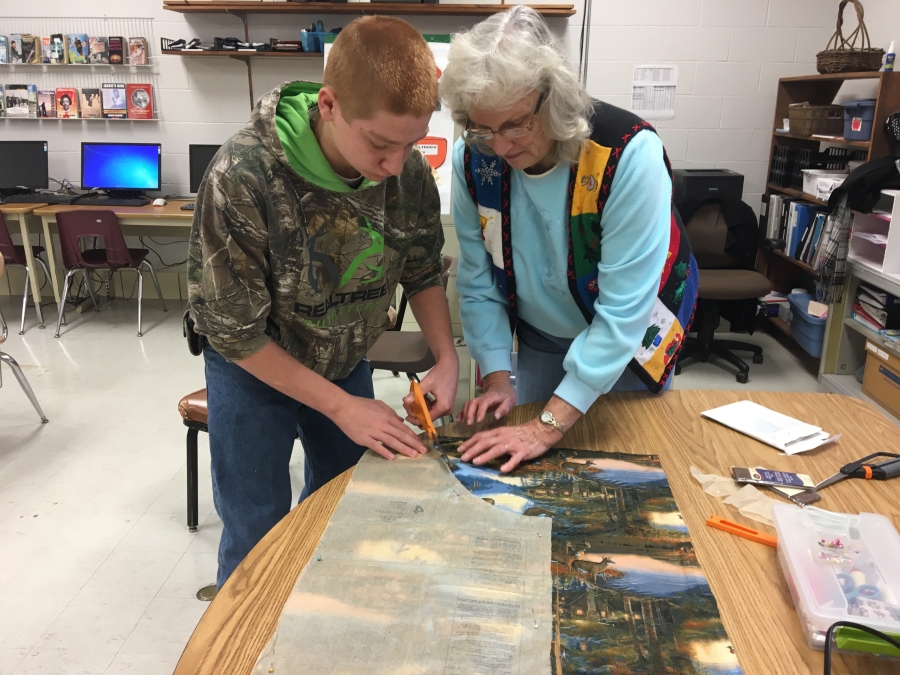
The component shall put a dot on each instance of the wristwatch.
(548, 419)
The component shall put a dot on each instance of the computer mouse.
(159, 202)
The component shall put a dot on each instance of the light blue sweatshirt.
(634, 246)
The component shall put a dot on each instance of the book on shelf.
(2, 101)
(15, 48)
(116, 49)
(45, 49)
(90, 105)
(137, 51)
(98, 52)
(18, 100)
(57, 49)
(140, 101)
(114, 105)
(3, 53)
(30, 49)
(77, 48)
(46, 103)
(883, 307)
(859, 314)
(66, 103)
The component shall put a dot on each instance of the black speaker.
(703, 183)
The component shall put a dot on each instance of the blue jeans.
(252, 428)
(540, 369)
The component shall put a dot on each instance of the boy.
(305, 223)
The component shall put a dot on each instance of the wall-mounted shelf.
(242, 55)
(72, 66)
(355, 8)
(72, 120)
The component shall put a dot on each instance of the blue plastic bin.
(858, 118)
(808, 330)
(314, 41)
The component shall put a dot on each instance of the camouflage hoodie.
(274, 257)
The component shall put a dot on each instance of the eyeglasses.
(486, 133)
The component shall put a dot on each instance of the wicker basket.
(827, 120)
(841, 55)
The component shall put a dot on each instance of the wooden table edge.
(222, 631)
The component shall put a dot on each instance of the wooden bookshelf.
(355, 8)
(863, 145)
(771, 187)
(799, 263)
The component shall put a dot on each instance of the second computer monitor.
(200, 157)
(23, 164)
(123, 167)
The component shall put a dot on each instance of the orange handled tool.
(741, 531)
(420, 409)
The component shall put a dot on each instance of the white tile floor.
(97, 569)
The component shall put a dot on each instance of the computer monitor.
(23, 164)
(126, 169)
(200, 157)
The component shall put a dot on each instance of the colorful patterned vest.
(590, 183)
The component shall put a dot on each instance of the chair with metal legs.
(74, 228)
(11, 362)
(15, 255)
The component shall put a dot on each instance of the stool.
(195, 415)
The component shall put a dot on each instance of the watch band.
(547, 418)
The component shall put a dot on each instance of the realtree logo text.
(339, 300)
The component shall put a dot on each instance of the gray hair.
(508, 56)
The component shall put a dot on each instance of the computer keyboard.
(188, 207)
(107, 201)
(40, 198)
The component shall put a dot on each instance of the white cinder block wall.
(730, 54)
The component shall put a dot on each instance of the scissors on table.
(862, 469)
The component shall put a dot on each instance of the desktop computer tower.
(703, 183)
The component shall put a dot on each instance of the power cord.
(165, 266)
(858, 626)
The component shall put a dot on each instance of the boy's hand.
(441, 383)
(374, 425)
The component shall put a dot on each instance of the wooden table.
(20, 213)
(745, 577)
(168, 216)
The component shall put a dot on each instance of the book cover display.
(98, 53)
(116, 49)
(57, 49)
(45, 50)
(2, 101)
(3, 55)
(140, 101)
(137, 51)
(90, 104)
(17, 100)
(30, 49)
(46, 103)
(15, 48)
(114, 104)
(77, 48)
(66, 103)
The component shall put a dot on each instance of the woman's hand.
(498, 396)
(522, 443)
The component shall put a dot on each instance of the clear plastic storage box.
(841, 567)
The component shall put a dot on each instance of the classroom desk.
(169, 215)
(20, 213)
(745, 577)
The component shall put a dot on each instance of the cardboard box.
(881, 380)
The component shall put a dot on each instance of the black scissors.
(860, 469)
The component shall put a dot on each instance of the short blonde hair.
(382, 63)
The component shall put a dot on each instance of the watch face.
(546, 417)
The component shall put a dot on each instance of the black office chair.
(721, 279)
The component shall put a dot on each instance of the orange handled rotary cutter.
(420, 409)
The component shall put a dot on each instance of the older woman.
(568, 238)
